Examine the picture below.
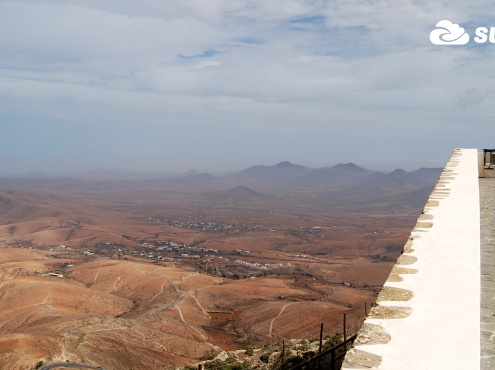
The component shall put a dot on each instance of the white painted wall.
(442, 330)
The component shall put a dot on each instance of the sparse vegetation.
(249, 351)
(11, 230)
(269, 356)
(226, 365)
(265, 357)
(210, 355)
(332, 341)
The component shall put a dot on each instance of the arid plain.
(160, 273)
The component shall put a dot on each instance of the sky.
(219, 85)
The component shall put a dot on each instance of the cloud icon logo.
(448, 33)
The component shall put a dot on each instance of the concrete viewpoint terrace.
(428, 312)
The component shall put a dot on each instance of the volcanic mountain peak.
(397, 181)
(285, 164)
(282, 170)
(350, 167)
(422, 176)
(398, 171)
(239, 193)
(427, 173)
(340, 175)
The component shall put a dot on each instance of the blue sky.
(220, 85)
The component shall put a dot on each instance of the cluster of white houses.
(262, 266)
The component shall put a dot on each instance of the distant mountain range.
(348, 179)
(278, 172)
(340, 175)
(394, 182)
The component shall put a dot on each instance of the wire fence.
(330, 359)
(344, 328)
(348, 324)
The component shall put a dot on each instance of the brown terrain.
(161, 273)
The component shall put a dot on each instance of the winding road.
(270, 329)
(67, 364)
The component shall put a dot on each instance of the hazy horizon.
(222, 85)
(120, 172)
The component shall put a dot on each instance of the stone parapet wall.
(428, 311)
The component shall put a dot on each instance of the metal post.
(321, 339)
(321, 346)
(332, 360)
(345, 333)
(283, 354)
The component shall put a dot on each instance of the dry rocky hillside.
(163, 273)
(127, 314)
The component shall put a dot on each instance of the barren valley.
(161, 273)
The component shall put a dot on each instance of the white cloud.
(345, 67)
(73, 34)
(473, 97)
